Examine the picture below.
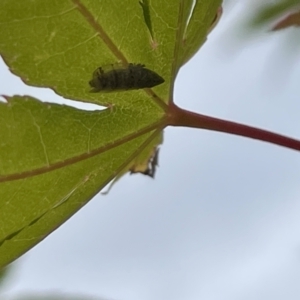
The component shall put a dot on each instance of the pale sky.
(221, 219)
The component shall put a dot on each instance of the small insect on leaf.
(149, 167)
(117, 77)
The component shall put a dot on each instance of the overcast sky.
(220, 221)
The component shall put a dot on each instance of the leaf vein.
(41, 138)
(40, 17)
(67, 50)
(101, 32)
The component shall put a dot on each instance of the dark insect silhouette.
(117, 77)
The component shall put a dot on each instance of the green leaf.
(146, 11)
(201, 18)
(55, 158)
(272, 10)
(40, 139)
(60, 43)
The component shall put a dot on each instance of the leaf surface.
(55, 158)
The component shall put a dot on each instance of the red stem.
(181, 117)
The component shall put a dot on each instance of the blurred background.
(221, 219)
